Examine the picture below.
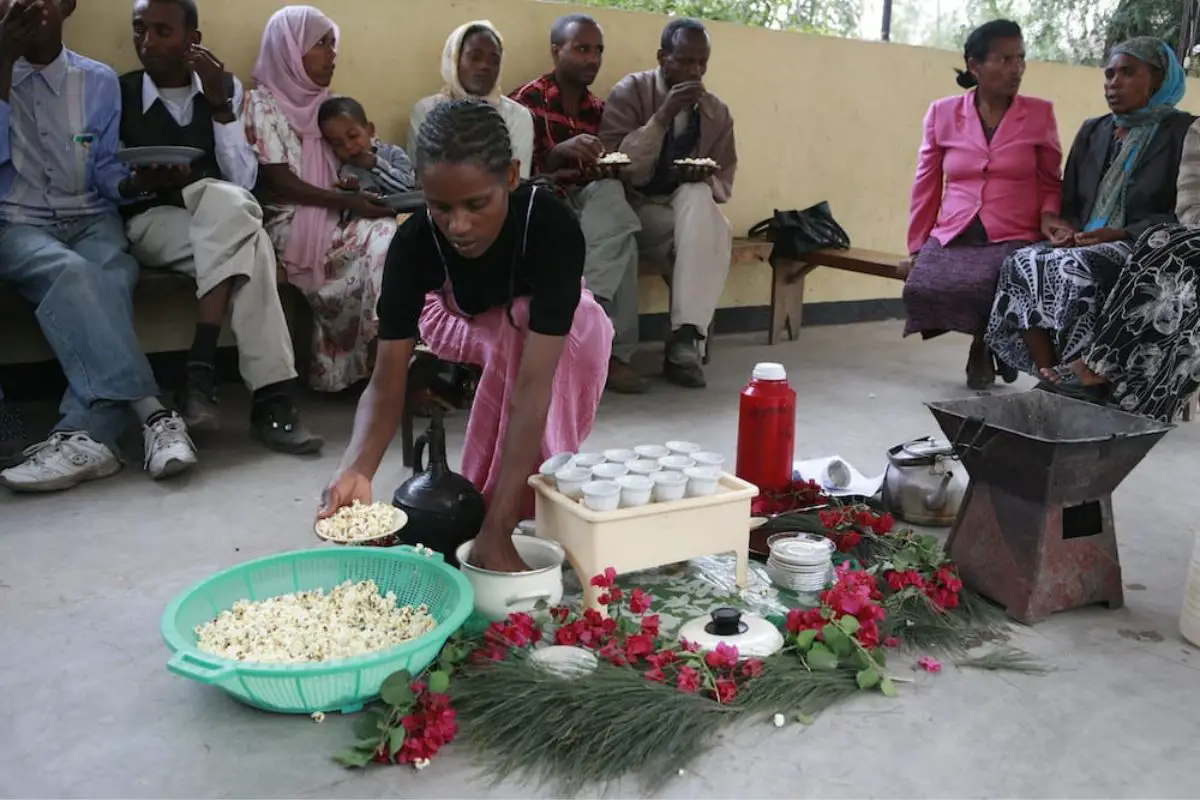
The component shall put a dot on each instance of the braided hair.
(469, 131)
(979, 46)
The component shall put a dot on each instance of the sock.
(204, 346)
(148, 409)
(272, 391)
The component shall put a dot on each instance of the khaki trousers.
(217, 237)
(688, 235)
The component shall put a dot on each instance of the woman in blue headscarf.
(1120, 180)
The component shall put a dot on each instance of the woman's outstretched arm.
(375, 423)
(529, 407)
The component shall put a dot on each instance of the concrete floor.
(90, 710)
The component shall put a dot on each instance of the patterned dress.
(345, 326)
(1148, 344)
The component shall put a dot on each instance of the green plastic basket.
(346, 684)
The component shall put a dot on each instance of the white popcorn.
(778, 720)
(318, 716)
(357, 522)
(301, 627)
(695, 162)
(613, 159)
(420, 763)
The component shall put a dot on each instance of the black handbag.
(795, 234)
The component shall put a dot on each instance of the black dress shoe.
(276, 423)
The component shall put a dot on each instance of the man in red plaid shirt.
(566, 119)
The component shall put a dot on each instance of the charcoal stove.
(1035, 532)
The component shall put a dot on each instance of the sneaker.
(623, 378)
(276, 423)
(13, 439)
(681, 364)
(198, 399)
(169, 449)
(65, 460)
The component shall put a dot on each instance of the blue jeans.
(79, 274)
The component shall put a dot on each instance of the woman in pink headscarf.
(337, 264)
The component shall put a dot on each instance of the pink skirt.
(491, 342)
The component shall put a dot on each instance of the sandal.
(1069, 384)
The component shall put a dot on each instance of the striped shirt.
(59, 135)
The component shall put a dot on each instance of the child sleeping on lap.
(368, 165)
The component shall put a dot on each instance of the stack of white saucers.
(802, 563)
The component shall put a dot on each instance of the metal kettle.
(924, 483)
(444, 509)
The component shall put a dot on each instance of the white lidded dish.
(564, 661)
(602, 495)
(753, 636)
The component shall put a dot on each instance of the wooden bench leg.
(787, 300)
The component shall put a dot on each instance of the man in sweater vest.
(203, 220)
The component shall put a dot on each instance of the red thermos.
(767, 429)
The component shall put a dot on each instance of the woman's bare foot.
(1078, 369)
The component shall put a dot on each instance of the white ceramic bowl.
(653, 452)
(554, 463)
(602, 495)
(702, 481)
(683, 448)
(668, 486)
(570, 481)
(498, 594)
(675, 463)
(587, 460)
(706, 459)
(608, 471)
(643, 466)
(635, 490)
(620, 455)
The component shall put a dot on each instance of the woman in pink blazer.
(988, 182)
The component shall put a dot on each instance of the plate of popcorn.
(610, 165)
(694, 170)
(363, 525)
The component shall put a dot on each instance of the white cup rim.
(601, 488)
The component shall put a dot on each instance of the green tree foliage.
(829, 17)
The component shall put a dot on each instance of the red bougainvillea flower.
(688, 680)
(848, 541)
(891, 641)
(690, 647)
(656, 675)
(560, 613)
(726, 691)
(723, 657)
(639, 601)
(662, 658)
(752, 668)
(616, 593)
(638, 646)
(651, 624)
(929, 664)
(898, 580)
(605, 579)
(605, 599)
(883, 525)
(567, 635)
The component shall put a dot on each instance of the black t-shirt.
(549, 272)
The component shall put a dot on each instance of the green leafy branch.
(838, 649)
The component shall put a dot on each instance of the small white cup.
(706, 459)
(570, 481)
(643, 466)
(608, 471)
(587, 460)
(620, 455)
(837, 475)
(635, 490)
(601, 495)
(652, 452)
(683, 448)
(675, 463)
(702, 481)
(554, 463)
(669, 486)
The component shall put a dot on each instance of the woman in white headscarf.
(471, 64)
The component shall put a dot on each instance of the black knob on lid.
(726, 622)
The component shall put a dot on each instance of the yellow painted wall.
(817, 118)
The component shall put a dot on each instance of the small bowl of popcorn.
(363, 525)
(610, 165)
(695, 170)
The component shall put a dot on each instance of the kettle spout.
(936, 500)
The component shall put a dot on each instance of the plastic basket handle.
(408, 548)
(199, 669)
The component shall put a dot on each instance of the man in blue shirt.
(63, 246)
